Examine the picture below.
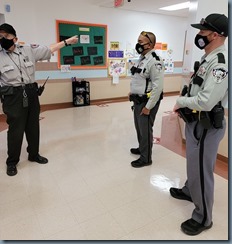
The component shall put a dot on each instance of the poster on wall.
(117, 67)
(65, 68)
(114, 45)
(162, 50)
(129, 53)
(115, 54)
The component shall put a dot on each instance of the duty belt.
(206, 118)
(138, 99)
(187, 115)
(31, 85)
(26, 86)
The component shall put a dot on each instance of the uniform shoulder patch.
(219, 74)
(158, 66)
(34, 45)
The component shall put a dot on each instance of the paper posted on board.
(115, 78)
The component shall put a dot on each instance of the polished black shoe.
(192, 227)
(39, 159)
(179, 194)
(11, 170)
(135, 151)
(138, 164)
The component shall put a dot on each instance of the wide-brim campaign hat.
(8, 29)
(214, 22)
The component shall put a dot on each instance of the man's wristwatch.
(66, 44)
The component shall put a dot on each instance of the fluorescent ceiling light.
(176, 6)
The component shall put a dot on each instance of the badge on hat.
(219, 74)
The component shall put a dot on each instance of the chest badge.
(201, 70)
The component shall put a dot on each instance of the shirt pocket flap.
(6, 69)
(28, 64)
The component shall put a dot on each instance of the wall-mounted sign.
(118, 3)
(115, 54)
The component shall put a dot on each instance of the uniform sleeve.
(214, 90)
(41, 52)
(157, 79)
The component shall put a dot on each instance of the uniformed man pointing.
(203, 110)
(19, 93)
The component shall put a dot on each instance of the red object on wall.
(118, 3)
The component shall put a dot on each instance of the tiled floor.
(89, 191)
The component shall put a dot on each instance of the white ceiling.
(146, 6)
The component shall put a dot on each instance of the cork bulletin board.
(90, 51)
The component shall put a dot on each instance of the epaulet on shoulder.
(221, 58)
(155, 56)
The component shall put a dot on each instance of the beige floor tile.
(47, 199)
(86, 208)
(130, 217)
(16, 210)
(54, 220)
(25, 228)
(72, 233)
(114, 197)
(103, 227)
(11, 190)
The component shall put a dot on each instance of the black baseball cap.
(8, 29)
(214, 22)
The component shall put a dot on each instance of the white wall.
(34, 22)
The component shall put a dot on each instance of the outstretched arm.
(55, 47)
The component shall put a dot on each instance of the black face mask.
(201, 41)
(140, 48)
(6, 43)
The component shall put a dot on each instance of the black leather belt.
(28, 86)
(138, 99)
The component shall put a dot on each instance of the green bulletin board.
(91, 49)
